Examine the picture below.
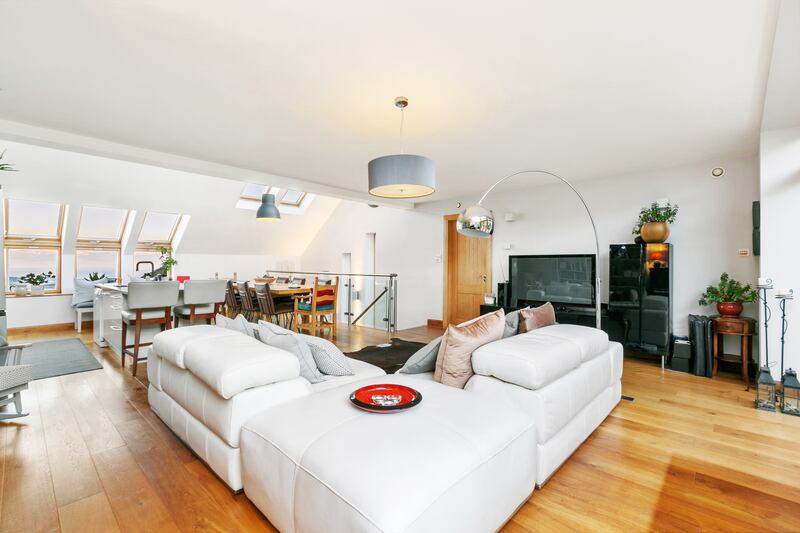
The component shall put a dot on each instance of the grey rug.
(57, 358)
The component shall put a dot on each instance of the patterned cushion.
(239, 324)
(265, 330)
(15, 375)
(296, 345)
(329, 359)
(303, 306)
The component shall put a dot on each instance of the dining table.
(285, 289)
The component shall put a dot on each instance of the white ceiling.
(305, 89)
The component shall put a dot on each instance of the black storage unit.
(640, 295)
(681, 354)
(701, 335)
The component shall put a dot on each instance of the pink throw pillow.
(454, 360)
(536, 317)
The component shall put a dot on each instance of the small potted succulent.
(37, 281)
(653, 223)
(729, 295)
(95, 276)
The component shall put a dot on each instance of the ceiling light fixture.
(401, 175)
(268, 211)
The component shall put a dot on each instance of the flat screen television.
(560, 279)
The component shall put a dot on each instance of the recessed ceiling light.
(717, 172)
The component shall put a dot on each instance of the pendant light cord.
(402, 120)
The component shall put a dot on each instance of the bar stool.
(147, 303)
(202, 300)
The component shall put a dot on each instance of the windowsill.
(12, 295)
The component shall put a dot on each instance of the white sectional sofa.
(207, 381)
(462, 460)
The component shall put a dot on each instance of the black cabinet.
(640, 296)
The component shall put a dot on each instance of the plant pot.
(732, 309)
(655, 232)
(37, 289)
(19, 289)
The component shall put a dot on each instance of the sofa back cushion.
(454, 360)
(532, 318)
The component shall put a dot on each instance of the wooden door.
(468, 274)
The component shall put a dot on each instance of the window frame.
(270, 189)
(101, 244)
(118, 250)
(33, 242)
(292, 204)
(155, 245)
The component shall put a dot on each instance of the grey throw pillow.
(296, 345)
(329, 359)
(268, 329)
(239, 324)
(512, 323)
(423, 360)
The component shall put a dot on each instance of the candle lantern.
(790, 399)
(765, 390)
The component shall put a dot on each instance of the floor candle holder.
(765, 385)
(788, 395)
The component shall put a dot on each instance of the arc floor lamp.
(477, 221)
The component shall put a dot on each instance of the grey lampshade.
(402, 176)
(475, 221)
(268, 210)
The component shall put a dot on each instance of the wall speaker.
(756, 228)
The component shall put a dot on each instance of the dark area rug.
(57, 358)
(390, 358)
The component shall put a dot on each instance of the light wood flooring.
(688, 454)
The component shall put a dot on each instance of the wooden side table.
(742, 327)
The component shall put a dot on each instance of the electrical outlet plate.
(743, 252)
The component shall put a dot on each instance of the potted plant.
(95, 276)
(729, 296)
(37, 281)
(653, 223)
(167, 261)
(6, 166)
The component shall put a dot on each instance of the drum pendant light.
(401, 175)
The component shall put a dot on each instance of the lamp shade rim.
(402, 176)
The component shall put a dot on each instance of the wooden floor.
(688, 454)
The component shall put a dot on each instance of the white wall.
(713, 223)
(406, 243)
(780, 254)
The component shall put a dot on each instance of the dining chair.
(317, 307)
(272, 309)
(249, 309)
(147, 303)
(231, 302)
(202, 300)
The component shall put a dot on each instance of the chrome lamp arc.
(268, 211)
(477, 221)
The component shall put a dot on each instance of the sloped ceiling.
(782, 103)
(305, 89)
(216, 226)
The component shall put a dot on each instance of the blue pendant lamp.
(268, 211)
(401, 175)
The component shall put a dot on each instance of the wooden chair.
(231, 303)
(147, 303)
(248, 306)
(317, 307)
(271, 309)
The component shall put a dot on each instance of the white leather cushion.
(301, 467)
(230, 365)
(329, 359)
(171, 344)
(530, 360)
(225, 417)
(361, 370)
(590, 341)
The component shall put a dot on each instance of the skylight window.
(293, 198)
(30, 219)
(253, 191)
(158, 228)
(102, 224)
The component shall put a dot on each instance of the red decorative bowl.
(385, 398)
